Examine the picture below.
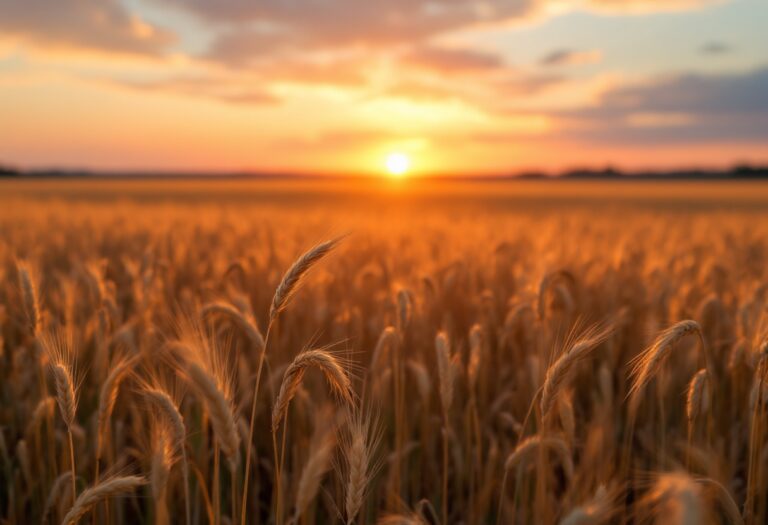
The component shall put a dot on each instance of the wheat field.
(301, 352)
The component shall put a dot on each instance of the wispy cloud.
(571, 57)
(449, 61)
(684, 108)
(715, 47)
(101, 25)
(205, 86)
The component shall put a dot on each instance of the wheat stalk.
(219, 409)
(283, 293)
(715, 490)
(558, 372)
(29, 297)
(62, 366)
(647, 364)
(206, 367)
(108, 488)
(475, 351)
(321, 451)
(697, 397)
(244, 322)
(445, 371)
(167, 408)
(164, 455)
(108, 398)
(358, 445)
(446, 376)
(334, 373)
(43, 410)
(292, 279)
(532, 444)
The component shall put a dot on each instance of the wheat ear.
(321, 451)
(530, 445)
(109, 488)
(168, 409)
(244, 322)
(445, 371)
(62, 365)
(219, 409)
(334, 373)
(29, 296)
(358, 445)
(292, 279)
(557, 373)
(697, 397)
(675, 496)
(647, 364)
(164, 455)
(108, 398)
(285, 290)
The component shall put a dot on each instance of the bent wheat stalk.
(109, 488)
(335, 376)
(646, 365)
(244, 322)
(557, 373)
(107, 400)
(334, 373)
(525, 450)
(284, 292)
(168, 409)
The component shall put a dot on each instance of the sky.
(338, 86)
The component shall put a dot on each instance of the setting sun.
(398, 164)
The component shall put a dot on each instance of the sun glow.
(397, 164)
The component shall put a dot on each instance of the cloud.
(648, 6)
(422, 91)
(246, 47)
(248, 31)
(489, 96)
(685, 107)
(528, 84)
(283, 65)
(715, 48)
(206, 86)
(343, 22)
(251, 32)
(450, 61)
(571, 57)
(102, 25)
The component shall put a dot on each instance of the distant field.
(491, 196)
(497, 352)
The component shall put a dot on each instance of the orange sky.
(465, 86)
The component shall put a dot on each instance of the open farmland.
(446, 352)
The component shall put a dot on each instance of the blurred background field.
(500, 196)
